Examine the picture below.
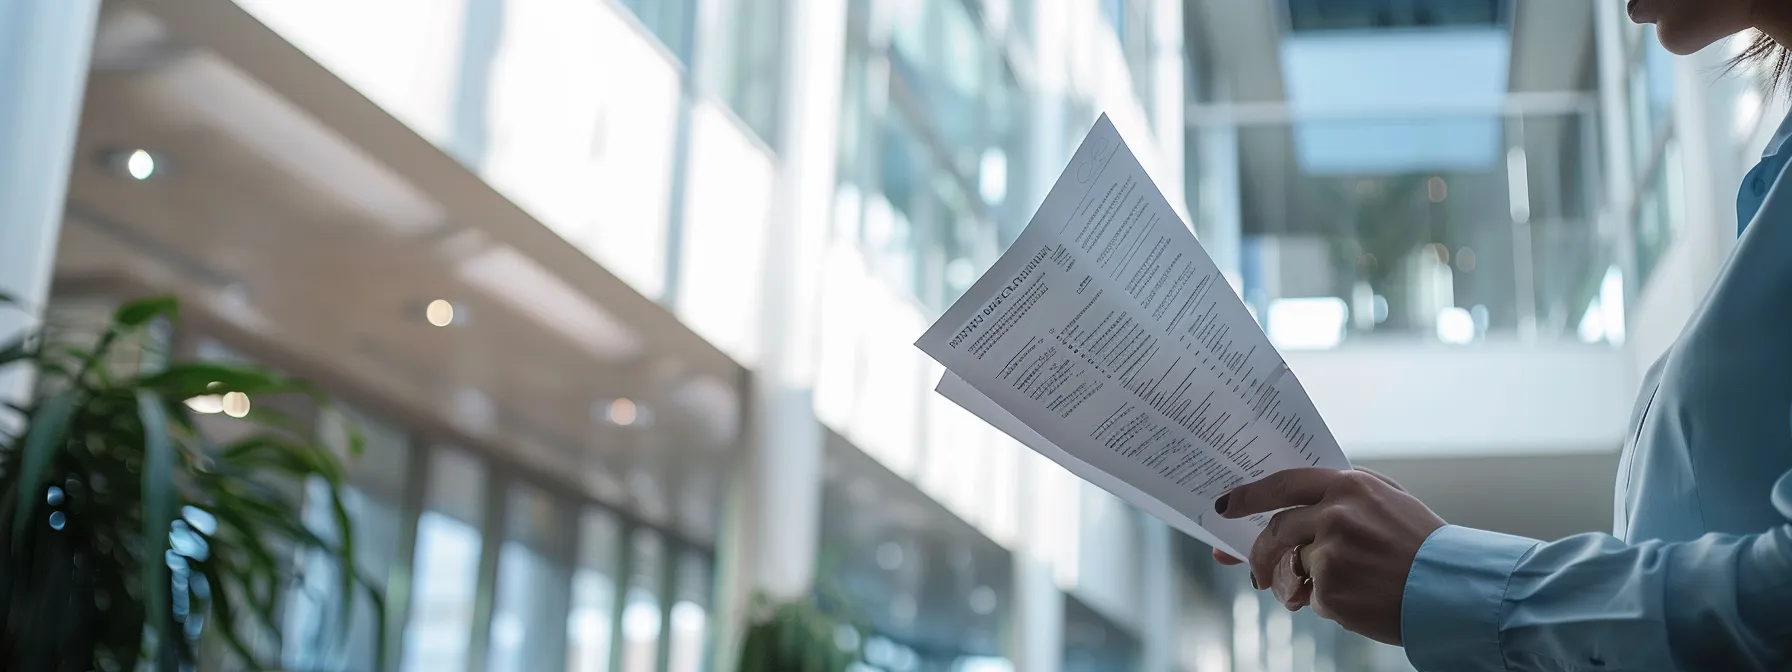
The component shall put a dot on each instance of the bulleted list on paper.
(1106, 339)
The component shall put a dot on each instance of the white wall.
(1410, 400)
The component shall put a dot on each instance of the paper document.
(1106, 339)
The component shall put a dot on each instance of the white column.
(1158, 621)
(1037, 639)
(773, 550)
(1711, 180)
(1169, 104)
(45, 49)
(1614, 123)
(1037, 643)
(1221, 192)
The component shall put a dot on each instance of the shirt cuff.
(1454, 599)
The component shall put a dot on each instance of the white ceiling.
(289, 233)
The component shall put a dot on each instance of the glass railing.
(1453, 228)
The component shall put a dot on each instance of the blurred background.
(623, 291)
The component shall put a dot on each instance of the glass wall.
(744, 59)
(375, 502)
(591, 620)
(533, 576)
(643, 132)
(642, 619)
(930, 124)
(1454, 229)
(1658, 212)
(427, 513)
(445, 571)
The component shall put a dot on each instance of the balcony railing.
(1458, 226)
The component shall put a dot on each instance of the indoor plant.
(804, 635)
(793, 637)
(125, 532)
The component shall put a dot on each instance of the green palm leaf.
(158, 513)
(49, 430)
(125, 455)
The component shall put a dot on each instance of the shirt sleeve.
(1483, 601)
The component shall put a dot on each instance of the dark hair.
(1773, 61)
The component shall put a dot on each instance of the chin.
(1680, 43)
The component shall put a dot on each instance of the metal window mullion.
(625, 580)
(669, 554)
(492, 543)
(562, 553)
(401, 574)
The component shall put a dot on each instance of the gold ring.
(1299, 565)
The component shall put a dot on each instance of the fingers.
(1381, 478)
(1280, 490)
(1287, 585)
(1286, 530)
(1225, 559)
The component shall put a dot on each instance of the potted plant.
(794, 636)
(127, 535)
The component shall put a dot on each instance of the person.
(1698, 572)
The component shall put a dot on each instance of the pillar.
(45, 49)
(1169, 103)
(773, 546)
(1159, 620)
(1036, 639)
(1036, 635)
(1704, 121)
(1614, 121)
(1221, 196)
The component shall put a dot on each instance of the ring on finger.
(1298, 564)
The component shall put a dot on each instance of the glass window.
(690, 615)
(1660, 66)
(641, 613)
(376, 479)
(1651, 96)
(1659, 210)
(404, 55)
(745, 61)
(888, 234)
(1130, 22)
(969, 240)
(1021, 13)
(581, 125)
(446, 571)
(669, 20)
(928, 151)
(588, 624)
(531, 600)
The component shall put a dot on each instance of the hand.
(1226, 559)
(1356, 534)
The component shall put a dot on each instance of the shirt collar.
(1778, 143)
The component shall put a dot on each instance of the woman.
(1699, 574)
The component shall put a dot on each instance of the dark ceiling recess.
(1321, 15)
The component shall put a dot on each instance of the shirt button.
(1759, 185)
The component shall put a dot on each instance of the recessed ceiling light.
(622, 412)
(235, 404)
(439, 313)
(140, 165)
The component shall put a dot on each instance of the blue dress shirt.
(1697, 574)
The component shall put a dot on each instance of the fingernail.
(1219, 505)
(1254, 585)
